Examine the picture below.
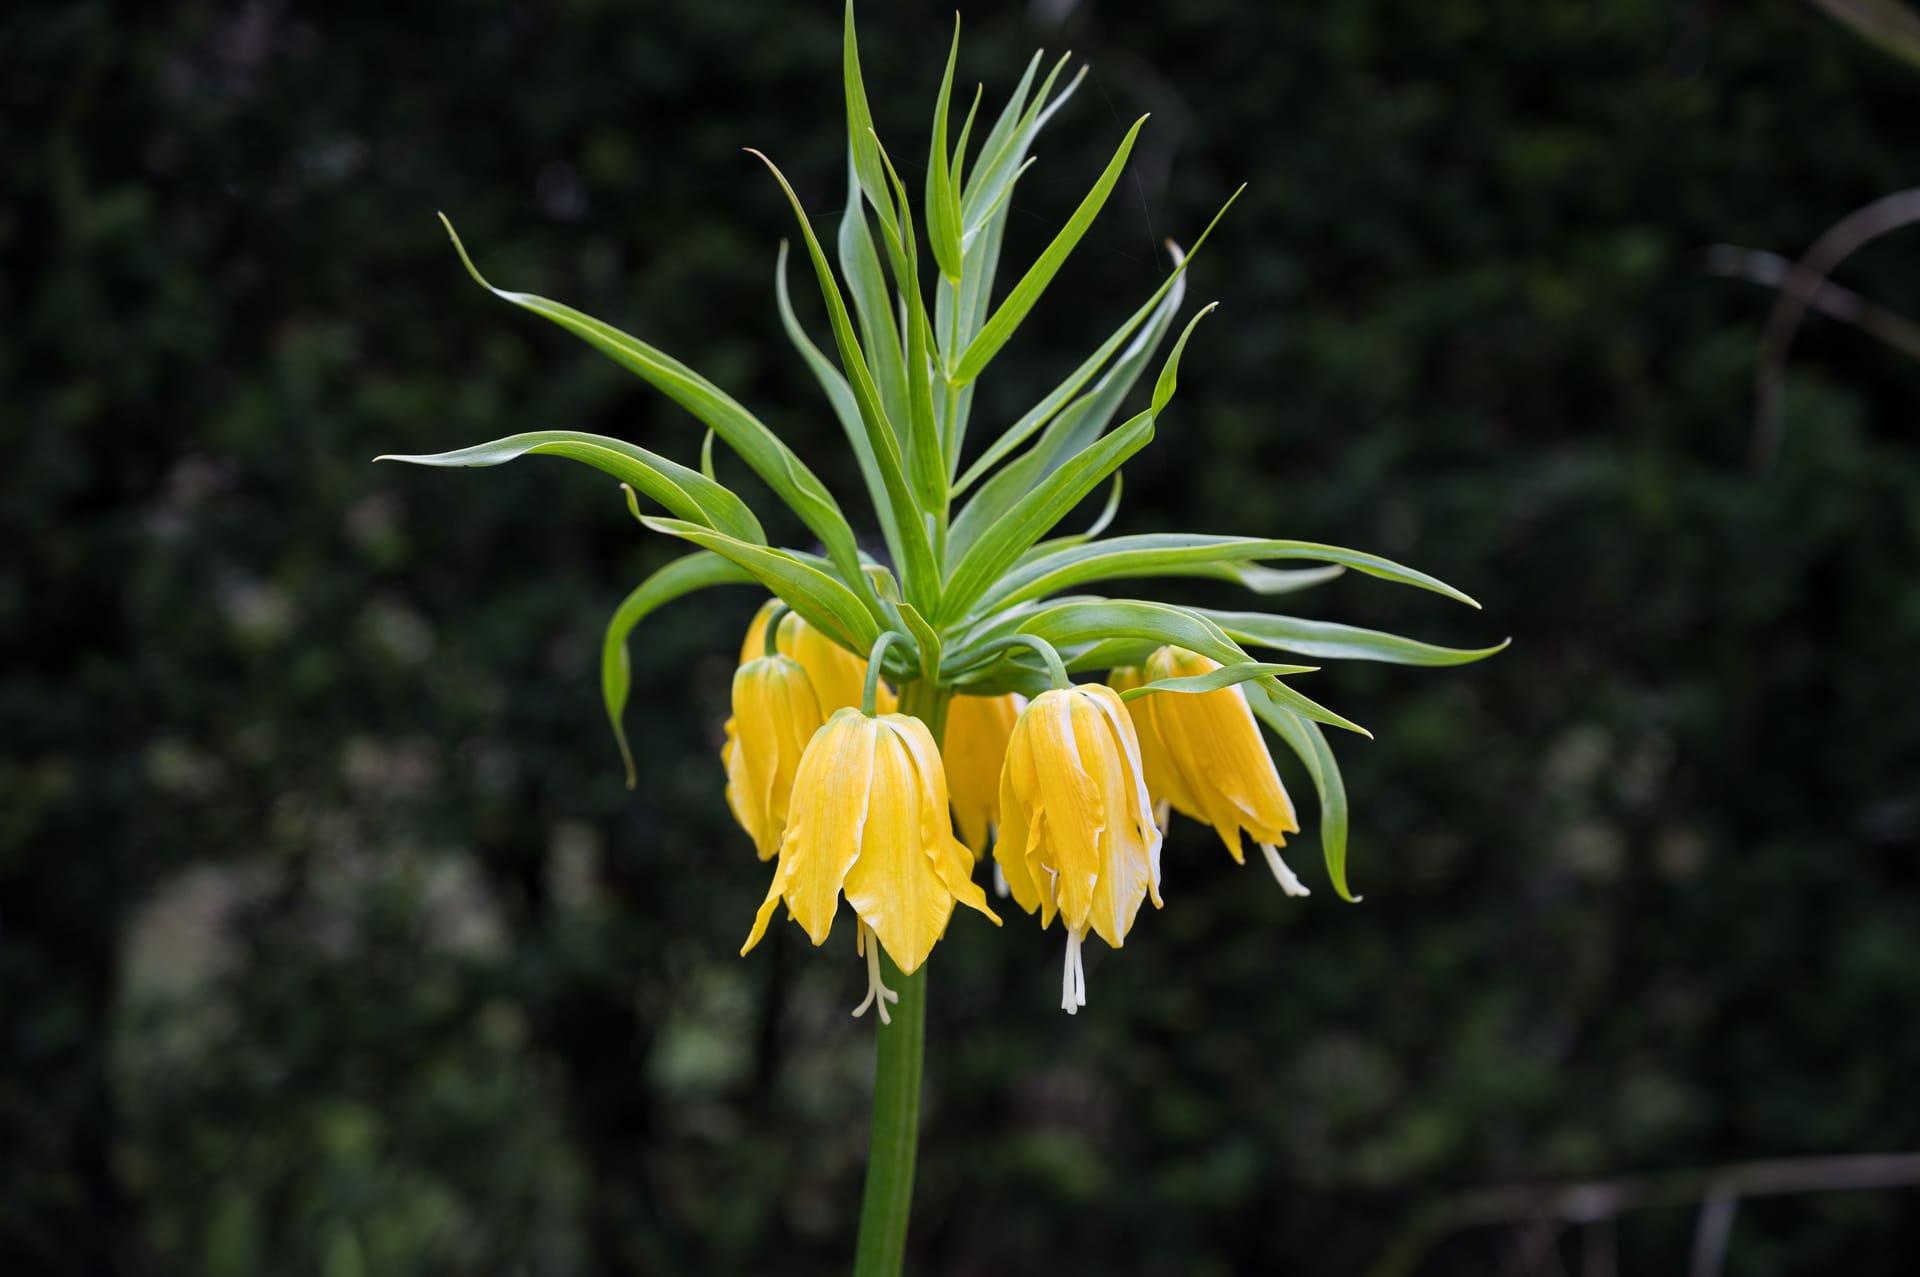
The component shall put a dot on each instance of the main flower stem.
(897, 1062)
(898, 1058)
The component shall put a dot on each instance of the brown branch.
(1592, 1201)
(1770, 270)
(1804, 281)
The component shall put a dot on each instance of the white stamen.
(1000, 887)
(877, 993)
(1289, 882)
(1162, 814)
(1073, 977)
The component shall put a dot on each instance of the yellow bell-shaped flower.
(869, 817)
(775, 714)
(1077, 835)
(838, 675)
(1212, 763)
(1163, 781)
(974, 750)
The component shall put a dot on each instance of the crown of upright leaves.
(970, 559)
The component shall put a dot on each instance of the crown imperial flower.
(974, 750)
(775, 714)
(869, 818)
(1078, 837)
(1208, 760)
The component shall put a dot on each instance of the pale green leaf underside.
(1330, 640)
(687, 494)
(1215, 680)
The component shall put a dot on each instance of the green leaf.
(918, 566)
(1006, 517)
(926, 459)
(999, 329)
(1271, 581)
(688, 494)
(960, 149)
(1216, 679)
(1004, 152)
(1184, 554)
(879, 334)
(1309, 744)
(1029, 518)
(861, 136)
(1127, 618)
(1329, 640)
(943, 204)
(1157, 312)
(758, 446)
(820, 598)
(683, 576)
(840, 395)
(1099, 525)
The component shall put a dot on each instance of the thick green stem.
(899, 1055)
(897, 1060)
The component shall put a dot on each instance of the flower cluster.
(895, 691)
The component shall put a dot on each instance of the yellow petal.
(1163, 778)
(1130, 842)
(893, 885)
(974, 751)
(1071, 806)
(829, 812)
(1017, 821)
(951, 860)
(775, 714)
(1215, 745)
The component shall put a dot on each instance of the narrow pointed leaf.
(922, 575)
(681, 577)
(1216, 679)
(872, 303)
(1309, 744)
(1329, 640)
(688, 494)
(1157, 310)
(1029, 518)
(1074, 433)
(999, 329)
(943, 203)
(840, 396)
(758, 446)
(1185, 554)
(860, 135)
(926, 458)
(817, 596)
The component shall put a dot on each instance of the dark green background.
(331, 943)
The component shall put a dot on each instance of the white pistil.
(1163, 814)
(1073, 977)
(1000, 887)
(1289, 882)
(877, 993)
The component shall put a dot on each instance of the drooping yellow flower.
(1163, 781)
(1212, 763)
(974, 750)
(775, 714)
(869, 817)
(838, 675)
(1077, 835)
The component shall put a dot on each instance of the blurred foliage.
(331, 943)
